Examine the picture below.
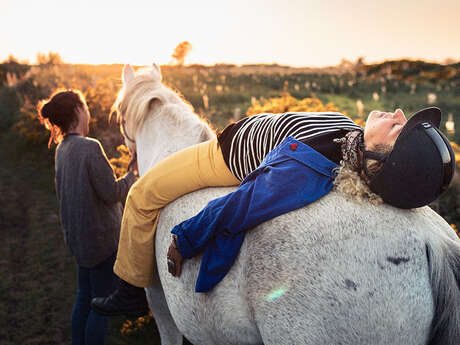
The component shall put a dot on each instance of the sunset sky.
(288, 32)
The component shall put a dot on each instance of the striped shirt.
(246, 142)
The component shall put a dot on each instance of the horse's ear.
(156, 72)
(154, 104)
(156, 66)
(127, 74)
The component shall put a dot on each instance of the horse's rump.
(360, 268)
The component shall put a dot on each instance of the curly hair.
(355, 184)
(58, 113)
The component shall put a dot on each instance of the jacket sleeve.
(109, 189)
(220, 227)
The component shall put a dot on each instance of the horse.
(333, 272)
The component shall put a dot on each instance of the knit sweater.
(90, 199)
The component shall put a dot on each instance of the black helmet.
(419, 168)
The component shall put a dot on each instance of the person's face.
(383, 128)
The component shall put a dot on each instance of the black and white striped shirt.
(246, 143)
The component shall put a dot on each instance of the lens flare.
(275, 294)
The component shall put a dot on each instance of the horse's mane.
(145, 95)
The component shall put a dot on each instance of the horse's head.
(154, 120)
(142, 93)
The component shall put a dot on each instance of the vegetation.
(38, 275)
(181, 51)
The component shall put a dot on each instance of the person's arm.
(103, 179)
(274, 190)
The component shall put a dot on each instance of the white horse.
(334, 272)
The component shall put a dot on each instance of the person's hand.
(174, 258)
(132, 165)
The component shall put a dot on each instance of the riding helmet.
(420, 166)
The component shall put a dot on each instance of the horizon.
(446, 61)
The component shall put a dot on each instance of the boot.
(127, 300)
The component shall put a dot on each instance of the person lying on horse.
(273, 158)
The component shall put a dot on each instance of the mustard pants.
(185, 171)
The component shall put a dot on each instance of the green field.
(38, 284)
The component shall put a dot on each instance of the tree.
(51, 58)
(181, 51)
(11, 59)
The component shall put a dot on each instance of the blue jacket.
(291, 176)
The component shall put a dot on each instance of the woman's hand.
(174, 258)
(132, 165)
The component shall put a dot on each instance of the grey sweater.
(90, 199)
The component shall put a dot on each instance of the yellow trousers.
(185, 171)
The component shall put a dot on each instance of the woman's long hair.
(354, 183)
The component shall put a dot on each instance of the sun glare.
(272, 31)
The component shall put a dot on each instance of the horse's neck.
(162, 135)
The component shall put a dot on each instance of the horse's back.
(341, 273)
(333, 272)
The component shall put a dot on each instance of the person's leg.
(185, 171)
(81, 307)
(102, 281)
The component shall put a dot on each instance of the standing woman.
(90, 204)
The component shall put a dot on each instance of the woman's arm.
(102, 177)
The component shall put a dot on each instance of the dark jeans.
(88, 327)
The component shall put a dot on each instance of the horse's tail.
(444, 264)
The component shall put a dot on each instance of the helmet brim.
(431, 115)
